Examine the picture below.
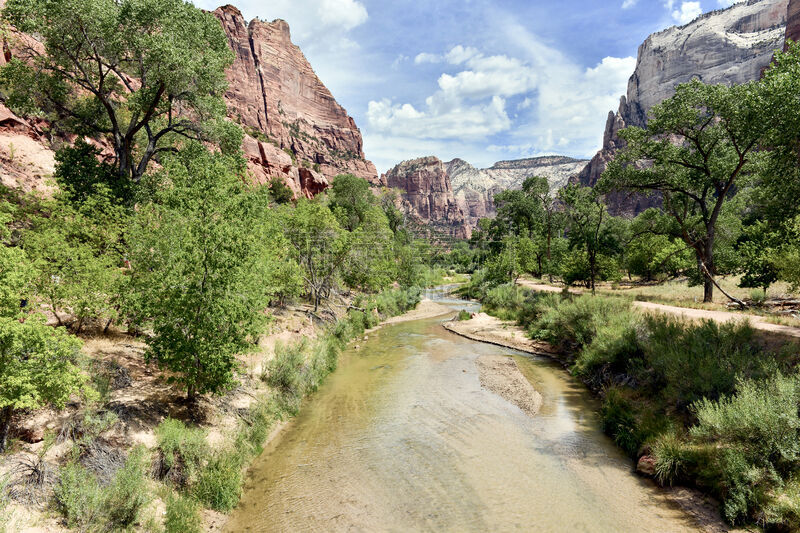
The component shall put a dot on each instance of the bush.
(182, 451)
(694, 361)
(127, 495)
(219, 484)
(506, 302)
(464, 315)
(619, 421)
(78, 497)
(284, 372)
(182, 515)
(573, 323)
(614, 346)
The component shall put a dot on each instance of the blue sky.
(477, 79)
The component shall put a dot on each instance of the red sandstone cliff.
(793, 21)
(428, 196)
(295, 128)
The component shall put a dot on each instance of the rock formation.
(295, 128)
(475, 189)
(427, 197)
(727, 46)
(793, 21)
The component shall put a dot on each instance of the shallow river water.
(403, 438)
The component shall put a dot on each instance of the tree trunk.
(5, 424)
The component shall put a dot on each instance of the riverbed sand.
(484, 328)
(501, 375)
(425, 309)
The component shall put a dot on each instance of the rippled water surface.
(403, 438)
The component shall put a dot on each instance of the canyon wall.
(427, 197)
(727, 46)
(295, 130)
(294, 127)
(475, 188)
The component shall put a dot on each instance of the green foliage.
(573, 323)
(279, 191)
(197, 271)
(182, 450)
(506, 302)
(182, 515)
(285, 370)
(16, 269)
(79, 498)
(219, 483)
(77, 251)
(128, 493)
(80, 174)
(142, 74)
(39, 365)
(700, 146)
(463, 315)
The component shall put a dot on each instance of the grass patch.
(182, 515)
(219, 483)
(181, 452)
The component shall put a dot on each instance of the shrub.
(78, 497)
(506, 302)
(256, 425)
(573, 323)
(619, 421)
(181, 449)
(182, 515)
(464, 315)
(693, 361)
(127, 495)
(614, 346)
(219, 484)
(285, 370)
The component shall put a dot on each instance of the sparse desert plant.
(128, 494)
(182, 515)
(181, 451)
(78, 497)
(219, 483)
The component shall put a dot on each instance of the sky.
(476, 79)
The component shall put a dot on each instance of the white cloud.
(463, 121)
(728, 3)
(627, 4)
(425, 57)
(687, 13)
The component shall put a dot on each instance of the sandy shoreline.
(425, 309)
(485, 328)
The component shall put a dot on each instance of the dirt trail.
(757, 322)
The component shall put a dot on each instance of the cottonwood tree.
(320, 246)
(697, 148)
(197, 269)
(39, 365)
(590, 228)
(136, 73)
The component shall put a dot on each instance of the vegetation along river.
(403, 438)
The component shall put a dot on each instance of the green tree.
(319, 244)
(79, 173)
(197, 270)
(351, 199)
(590, 228)
(78, 252)
(39, 365)
(279, 191)
(137, 73)
(16, 270)
(697, 147)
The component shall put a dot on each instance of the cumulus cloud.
(687, 12)
(561, 105)
(627, 4)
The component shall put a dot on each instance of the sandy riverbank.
(502, 376)
(425, 309)
(485, 328)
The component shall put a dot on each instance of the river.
(403, 438)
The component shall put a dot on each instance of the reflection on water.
(403, 438)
